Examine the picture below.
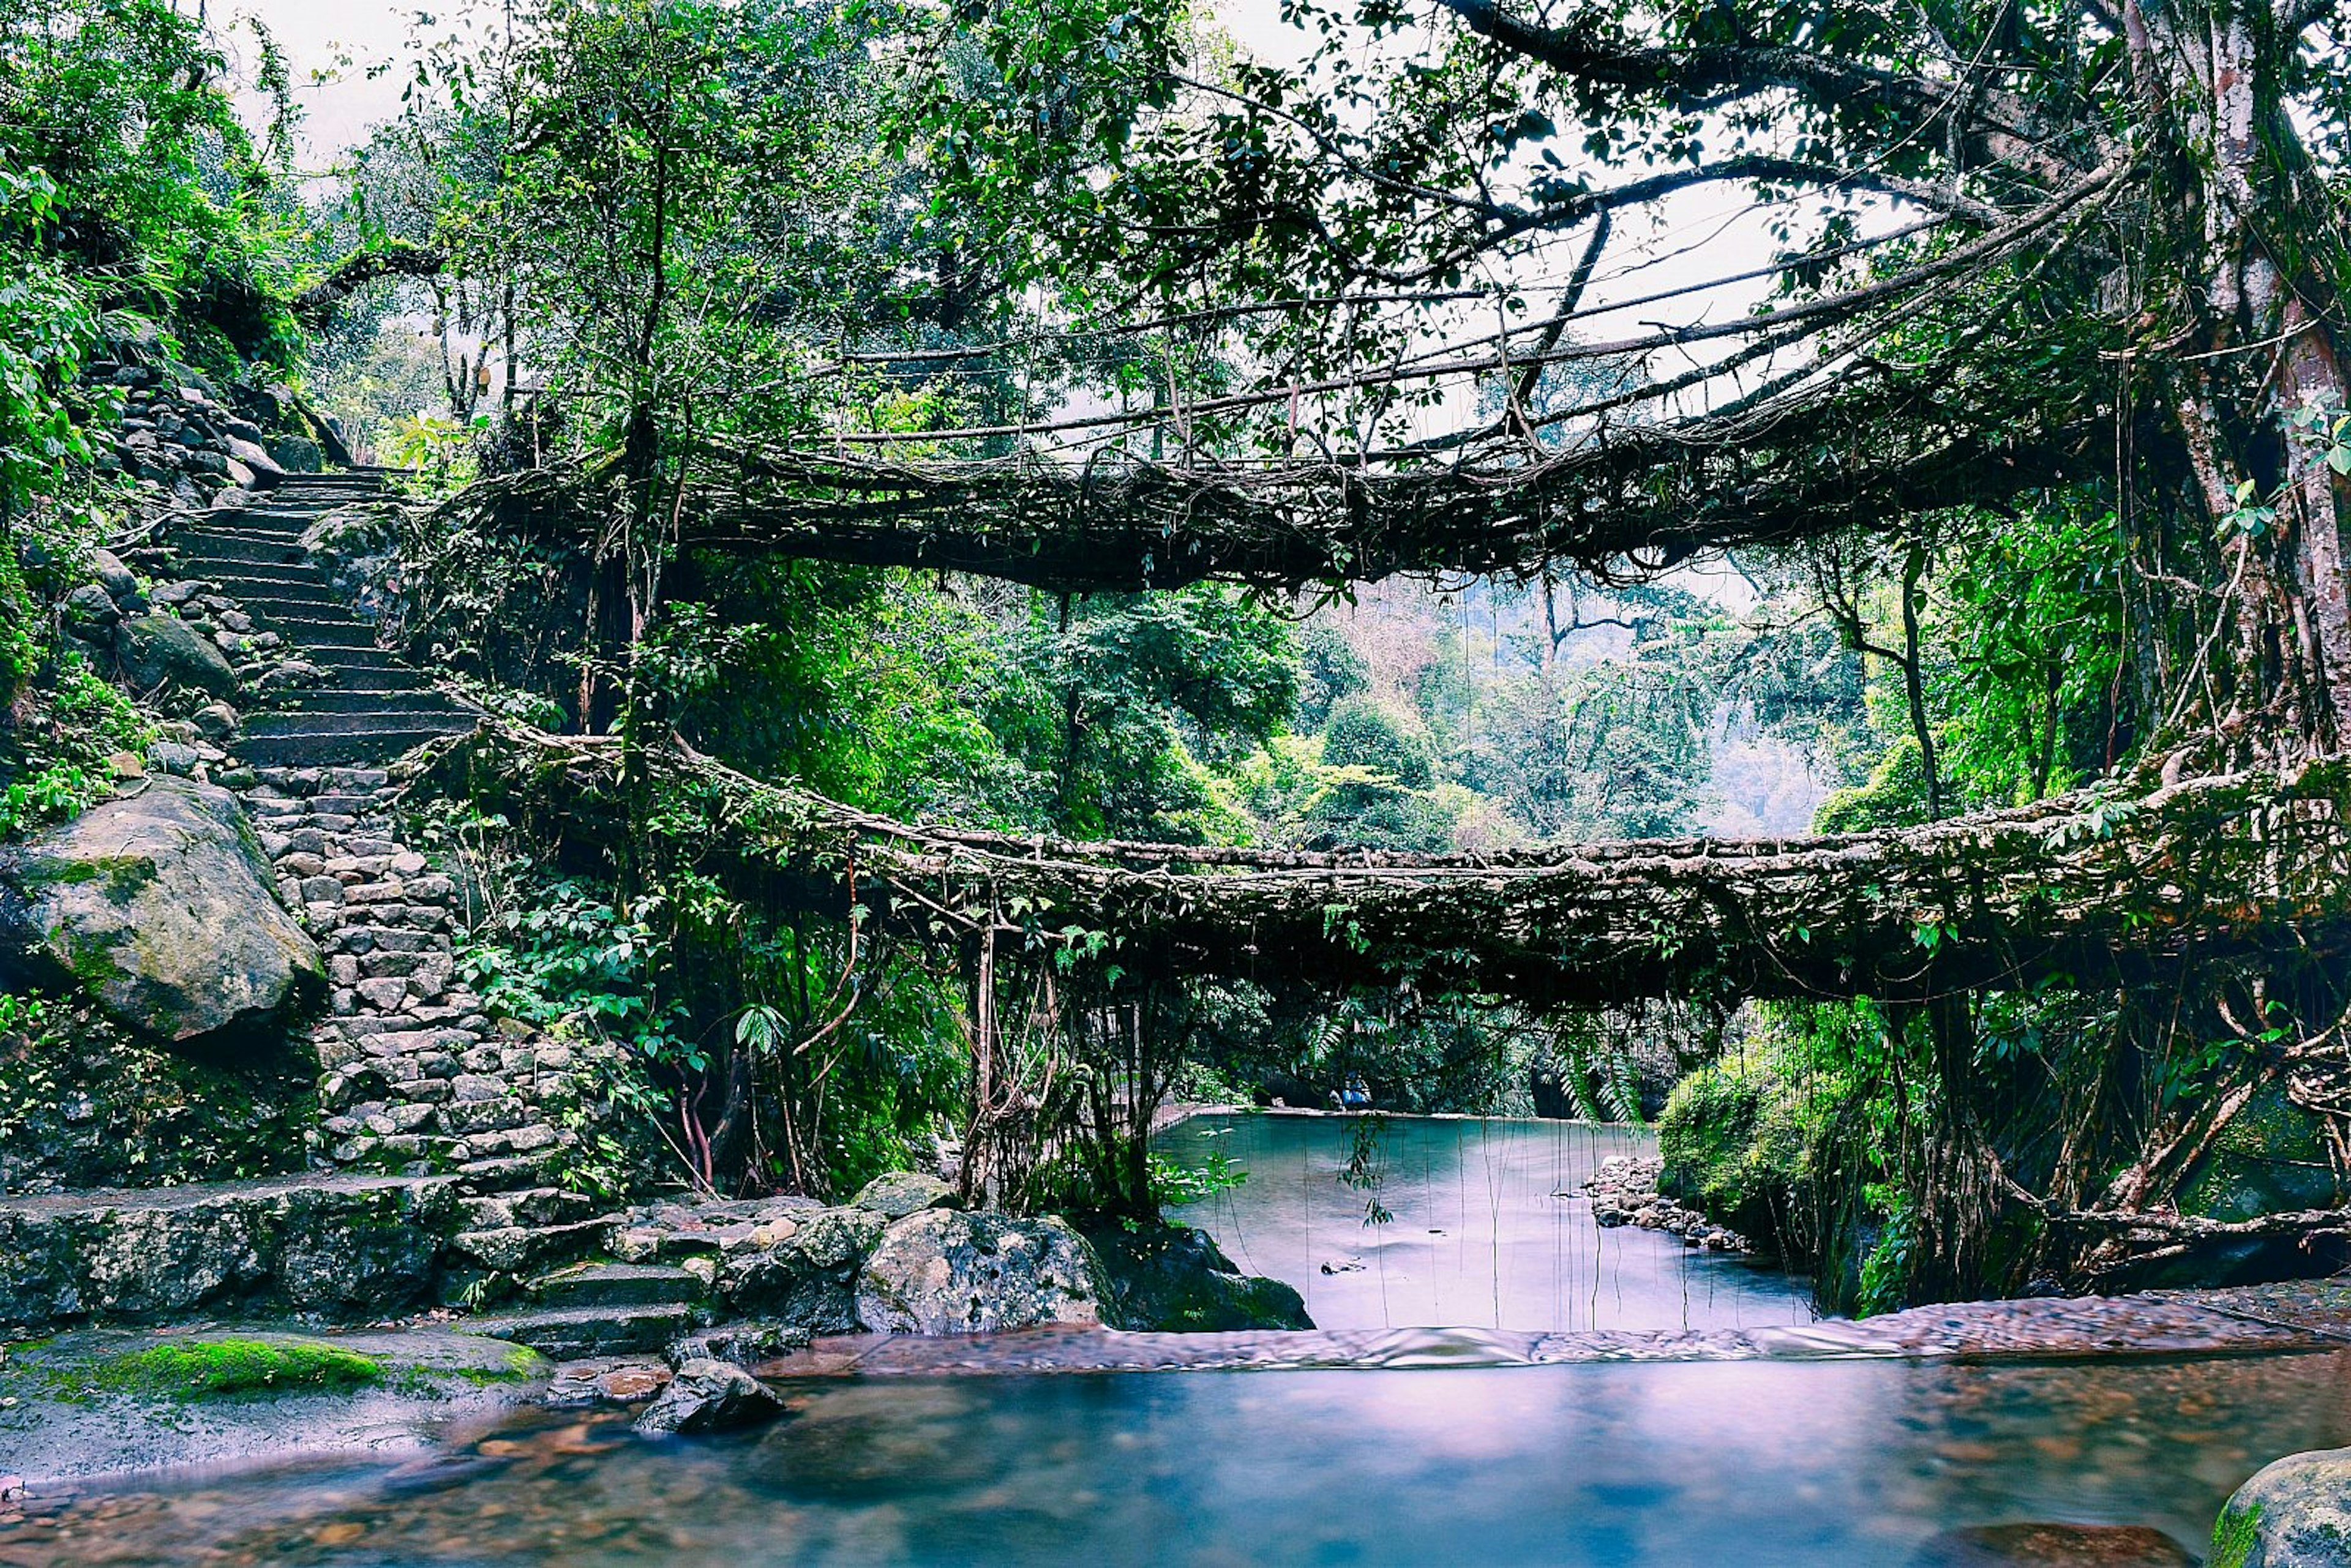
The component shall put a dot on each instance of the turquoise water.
(1721, 1464)
(1489, 1227)
(1718, 1463)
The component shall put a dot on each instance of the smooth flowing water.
(1488, 1227)
(1723, 1464)
(1850, 1462)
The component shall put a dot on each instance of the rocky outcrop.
(710, 1397)
(158, 906)
(2295, 1513)
(343, 1247)
(1173, 1278)
(942, 1272)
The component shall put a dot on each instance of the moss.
(2234, 1537)
(2270, 1159)
(201, 1369)
(522, 1365)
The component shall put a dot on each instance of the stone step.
(209, 547)
(356, 659)
(251, 526)
(296, 597)
(316, 631)
(533, 1248)
(528, 1205)
(297, 578)
(618, 1285)
(378, 694)
(572, 1334)
(346, 747)
(406, 716)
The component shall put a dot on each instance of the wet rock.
(89, 609)
(113, 576)
(264, 473)
(710, 1397)
(1173, 1278)
(296, 454)
(2295, 1513)
(159, 907)
(2052, 1546)
(941, 1273)
(156, 650)
(902, 1193)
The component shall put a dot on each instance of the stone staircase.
(444, 1156)
(372, 706)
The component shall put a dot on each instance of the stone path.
(365, 704)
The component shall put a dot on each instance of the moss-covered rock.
(2272, 1158)
(160, 908)
(1173, 1278)
(340, 1247)
(2295, 1513)
(164, 649)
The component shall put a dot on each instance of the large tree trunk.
(2245, 238)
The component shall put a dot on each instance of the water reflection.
(1668, 1464)
(1489, 1229)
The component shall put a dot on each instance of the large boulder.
(2295, 1513)
(1173, 1278)
(942, 1272)
(157, 649)
(158, 906)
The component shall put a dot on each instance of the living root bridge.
(2077, 890)
(1775, 472)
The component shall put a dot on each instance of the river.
(1488, 1227)
(1850, 1462)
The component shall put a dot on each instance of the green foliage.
(162, 201)
(1173, 1184)
(1736, 1137)
(1894, 796)
(56, 766)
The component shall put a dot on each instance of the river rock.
(806, 1280)
(2295, 1513)
(2053, 1546)
(942, 1272)
(902, 1193)
(155, 649)
(710, 1397)
(159, 907)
